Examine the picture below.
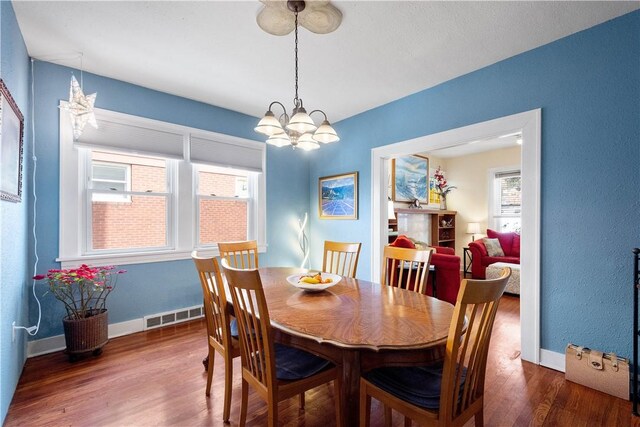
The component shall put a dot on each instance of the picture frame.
(338, 196)
(410, 179)
(11, 147)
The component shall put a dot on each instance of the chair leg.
(273, 413)
(407, 421)
(210, 359)
(479, 417)
(337, 397)
(301, 398)
(228, 383)
(365, 406)
(243, 404)
(387, 416)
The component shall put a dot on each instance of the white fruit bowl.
(294, 280)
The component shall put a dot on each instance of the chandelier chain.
(295, 100)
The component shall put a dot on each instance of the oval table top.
(356, 314)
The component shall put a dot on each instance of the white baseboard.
(553, 360)
(56, 343)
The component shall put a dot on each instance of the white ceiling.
(214, 52)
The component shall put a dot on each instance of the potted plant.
(442, 187)
(83, 291)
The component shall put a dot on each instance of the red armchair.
(510, 243)
(447, 268)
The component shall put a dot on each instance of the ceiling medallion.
(319, 16)
(297, 130)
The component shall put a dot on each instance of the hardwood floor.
(157, 378)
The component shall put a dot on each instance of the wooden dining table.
(357, 324)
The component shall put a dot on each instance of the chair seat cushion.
(233, 328)
(295, 364)
(419, 385)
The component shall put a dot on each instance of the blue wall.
(588, 86)
(156, 287)
(14, 223)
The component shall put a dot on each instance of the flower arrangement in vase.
(442, 187)
(83, 291)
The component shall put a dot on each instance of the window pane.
(109, 172)
(102, 185)
(222, 185)
(510, 195)
(222, 221)
(141, 223)
(148, 174)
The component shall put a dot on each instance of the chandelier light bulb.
(325, 133)
(279, 140)
(269, 125)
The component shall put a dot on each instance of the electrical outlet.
(13, 331)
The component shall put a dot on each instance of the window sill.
(138, 258)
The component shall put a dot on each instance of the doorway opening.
(528, 125)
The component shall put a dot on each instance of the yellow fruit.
(311, 280)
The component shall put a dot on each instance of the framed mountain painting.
(338, 196)
(410, 177)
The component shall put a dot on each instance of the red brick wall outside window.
(142, 221)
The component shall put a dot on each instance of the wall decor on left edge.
(11, 149)
(338, 196)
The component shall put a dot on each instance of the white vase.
(443, 203)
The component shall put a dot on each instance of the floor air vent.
(173, 317)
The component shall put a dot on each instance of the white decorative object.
(294, 280)
(319, 17)
(80, 108)
(303, 241)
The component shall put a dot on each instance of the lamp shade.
(473, 228)
(307, 143)
(301, 122)
(269, 125)
(325, 133)
(279, 140)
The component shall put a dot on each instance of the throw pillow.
(506, 240)
(403, 242)
(493, 247)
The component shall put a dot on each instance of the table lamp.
(473, 228)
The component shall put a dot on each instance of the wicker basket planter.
(88, 334)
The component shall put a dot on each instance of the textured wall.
(14, 224)
(588, 87)
(155, 287)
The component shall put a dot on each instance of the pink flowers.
(441, 183)
(82, 290)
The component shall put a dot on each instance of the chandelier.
(299, 129)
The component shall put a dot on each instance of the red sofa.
(447, 267)
(510, 243)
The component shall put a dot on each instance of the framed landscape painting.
(11, 132)
(338, 196)
(410, 176)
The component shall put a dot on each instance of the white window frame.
(170, 208)
(74, 172)
(494, 213)
(252, 183)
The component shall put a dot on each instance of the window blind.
(247, 157)
(128, 138)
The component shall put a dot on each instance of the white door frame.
(529, 123)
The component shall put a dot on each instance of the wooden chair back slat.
(243, 255)
(216, 312)
(468, 344)
(341, 258)
(406, 268)
(254, 325)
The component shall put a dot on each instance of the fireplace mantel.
(425, 211)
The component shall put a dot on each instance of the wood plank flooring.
(156, 378)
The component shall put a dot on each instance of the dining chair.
(240, 254)
(341, 258)
(219, 329)
(449, 393)
(406, 268)
(276, 372)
